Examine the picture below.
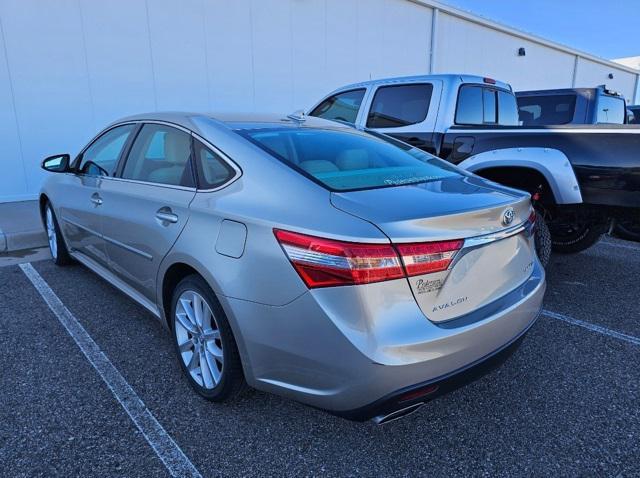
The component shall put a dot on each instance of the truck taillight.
(428, 257)
(324, 262)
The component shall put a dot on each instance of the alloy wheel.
(198, 337)
(51, 233)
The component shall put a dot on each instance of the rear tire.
(570, 239)
(57, 246)
(629, 230)
(542, 240)
(204, 342)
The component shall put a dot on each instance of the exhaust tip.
(396, 415)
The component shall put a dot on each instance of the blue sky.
(610, 28)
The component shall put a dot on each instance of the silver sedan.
(339, 268)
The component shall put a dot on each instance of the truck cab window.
(399, 105)
(340, 107)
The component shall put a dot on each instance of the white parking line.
(167, 450)
(631, 246)
(594, 328)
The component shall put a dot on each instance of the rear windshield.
(546, 110)
(343, 160)
(611, 110)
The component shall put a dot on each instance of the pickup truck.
(571, 106)
(634, 114)
(579, 177)
(581, 106)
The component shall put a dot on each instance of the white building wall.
(590, 74)
(69, 67)
(467, 47)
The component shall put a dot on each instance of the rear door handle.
(96, 199)
(165, 215)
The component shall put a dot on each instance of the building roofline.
(472, 17)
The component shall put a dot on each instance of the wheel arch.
(175, 268)
(551, 164)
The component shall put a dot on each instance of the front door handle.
(166, 215)
(96, 199)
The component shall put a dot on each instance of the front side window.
(340, 107)
(160, 154)
(213, 171)
(634, 117)
(101, 158)
(610, 110)
(347, 160)
(540, 110)
(399, 105)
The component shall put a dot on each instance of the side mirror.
(57, 164)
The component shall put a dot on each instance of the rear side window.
(546, 110)
(160, 154)
(399, 105)
(610, 110)
(347, 160)
(341, 107)
(213, 171)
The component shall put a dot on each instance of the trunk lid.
(488, 266)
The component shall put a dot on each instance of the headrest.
(351, 159)
(318, 166)
(177, 148)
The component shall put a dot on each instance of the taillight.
(326, 262)
(532, 220)
(428, 257)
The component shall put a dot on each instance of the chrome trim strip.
(127, 247)
(80, 226)
(476, 241)
(110, 240)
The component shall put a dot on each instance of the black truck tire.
(543, 240)
(572, 240)
(629, 230)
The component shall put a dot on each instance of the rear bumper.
(356, 355)
(430, 389)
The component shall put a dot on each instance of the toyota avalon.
(337, 267)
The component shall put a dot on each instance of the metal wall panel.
(463, 46)
(72, 66)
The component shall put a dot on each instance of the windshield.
(348, 160)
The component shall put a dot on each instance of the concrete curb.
(22, 240)
(3, 242)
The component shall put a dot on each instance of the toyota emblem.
(508, 216)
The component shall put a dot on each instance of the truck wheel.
(543, 240)
(629, 230)
(572, 238)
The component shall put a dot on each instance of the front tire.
(57, 246)
(204, 343)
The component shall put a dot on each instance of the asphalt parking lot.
(566, 404)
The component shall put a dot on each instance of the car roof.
(233, 121)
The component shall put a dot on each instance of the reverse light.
(428, 257)
(324, 262)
